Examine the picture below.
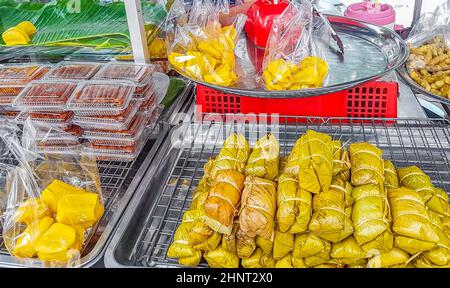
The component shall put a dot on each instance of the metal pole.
(417, 11)
(136, 28)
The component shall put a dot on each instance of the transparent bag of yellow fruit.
(54, 200)
(293, 60)
(199, 46)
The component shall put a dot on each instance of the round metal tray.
(370, 51)
(418, 40)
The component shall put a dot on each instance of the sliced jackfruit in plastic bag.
(370, 215)
(293, 205)
(258, 207)
(308, 244)
(410, 216)
(390, 175)
(413, 178)
(367, 164)
(264, 158)
(394, 257)
(30, 210)
(221, 258)
(283, 244)
(53, 193)
(316, 161)
(25, 244)
(79, 209)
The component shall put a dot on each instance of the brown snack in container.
(139, 74)
(130, 132)
(62, 116)
(126, 149)
(74, 130)
(101, 93)
(21, 75)
(80, 71)
(52, 93)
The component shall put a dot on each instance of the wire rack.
(405, 142)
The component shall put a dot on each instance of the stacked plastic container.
(107, 107)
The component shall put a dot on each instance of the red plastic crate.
(371, 100)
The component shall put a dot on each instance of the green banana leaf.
(95, 25)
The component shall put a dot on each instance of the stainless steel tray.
(417, 40)
(148, 225)
(370, 52)
(119, 181)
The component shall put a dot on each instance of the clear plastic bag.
(292, 59)
(199, 46)
(53, 200)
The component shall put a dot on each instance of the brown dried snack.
(21, 74)
(48, 93)
(139, 74)
(127, 149)
(79, 71)
(63, 116)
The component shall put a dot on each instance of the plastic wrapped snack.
(293, 205)
(389, 259)
(222, 201)
(54, 201)
(413, 178)
(264, 159)
(9, 93)
(410, 217)
(258, 207)
(61, 120)
(258, 260)
(221, 258)
(233, 155)
(101, 97)
(45, 95)
(140, 75)
(370, 215)
(341, 161)
(292, 60)
(13, 74)
(367, 164)
(199, 46)
(316, 161)
(73, 71)
(245, 245)
(390, 175)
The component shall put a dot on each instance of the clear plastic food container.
(127, 137)
(70, 136)
(73, 71)
(140, 75)
(21, 74)
(114, 153)
(45, 95)
(9, 93)
(119, 122)
(101, 98)
(62, 120)
(12, 115)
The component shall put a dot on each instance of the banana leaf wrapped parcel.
(316, 162)
(413, 178)
(294, 205)
(284, 262)
(283, 244)
(245, 245)
(383, 243)
(292, 163)
(223, 200)
(410, 216)
(266, 245)
(201, 236)
(221, 258)
(233, 155)
(367, 164)
(346, 188)
(258, 260)
(341, 161)
(390, 175)
(394, 257)
(423, 262)
(203, 187)
(348, 251)
(370, 215)
(309, 244)
(438, 203)
(441, 254)
(258, 207)
(319, 258)
(264, 158)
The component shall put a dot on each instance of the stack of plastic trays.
(13, 79)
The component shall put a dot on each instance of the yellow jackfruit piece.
(56, 190)
(28, 27)
(60, 243)
(26, 243)
(15, 36)
(30, 210)
(84, 209)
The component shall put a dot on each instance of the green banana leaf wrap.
(221, 204)
(367, 164)
(245, 245)
(319, 258)
(221, 258)
(266, 245)
(441, 254)
(264, 159)
(393, 257)
(410, 215)
(411, 245)
(383, 243)
(180, 247)
(308, 244)
(233, 155)
(293, 165)
(344, 186)
(438, 203)
(285, 262)
(413, 178)
(283, 244)
(315, 162)
(390, 175)
(258, 207)
(258, 260)
(370, 215)
(294, 205)
(348, 251)
(341, 161)
(201, 237)
(423, 262)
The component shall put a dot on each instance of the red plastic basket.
(371, 100)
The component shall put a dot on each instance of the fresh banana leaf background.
(91, 24)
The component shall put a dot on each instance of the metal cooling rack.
(148, 227)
